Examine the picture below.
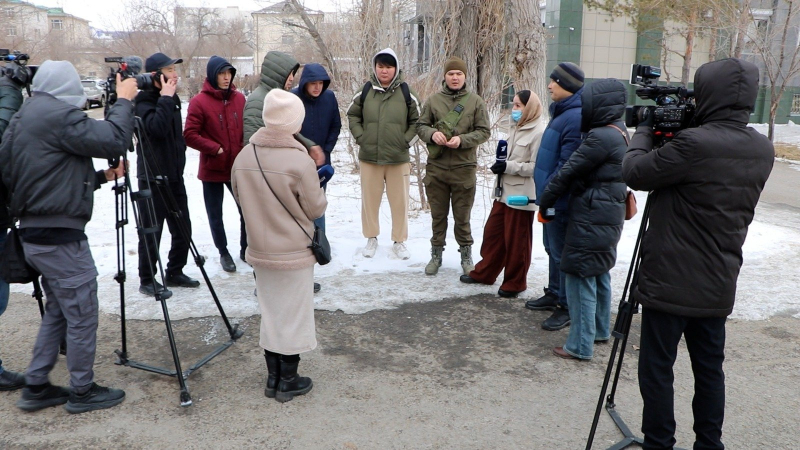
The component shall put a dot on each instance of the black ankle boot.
(274, 371)
(291, 384)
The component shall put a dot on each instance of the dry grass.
(788, 151)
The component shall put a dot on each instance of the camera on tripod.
(674, 108)
(126, 70)
(18, 70)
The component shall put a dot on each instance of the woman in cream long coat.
(508, 233)
(277, 247)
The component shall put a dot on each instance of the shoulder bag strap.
(624, 136)
(276, 195)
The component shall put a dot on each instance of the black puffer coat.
(164, 146)
(706, 183)
(593, 176)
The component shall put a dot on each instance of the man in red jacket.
(214, 127)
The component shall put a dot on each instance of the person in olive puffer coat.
(593, 177)
(450, 174)
(383, 126)
(277, 72)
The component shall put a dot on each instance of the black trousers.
(179, 251)
(213, 194)
(705, 340)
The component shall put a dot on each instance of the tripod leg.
(186, 398)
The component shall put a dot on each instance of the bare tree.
(775, 43)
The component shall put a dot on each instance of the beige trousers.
(396, 179)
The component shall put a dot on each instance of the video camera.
(127, 67)
(674, 108)
(18, 70)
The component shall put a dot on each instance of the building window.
(11, 31)
(8, 12)
(795, 105)
(56, 24)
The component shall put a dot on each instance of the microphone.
(501, 154)
(502, 150)
(325, 174)
(134, 63)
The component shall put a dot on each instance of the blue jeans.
(3, 284)
(555, 232)
(590, 313)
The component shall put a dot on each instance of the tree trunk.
(463, 38)
(687, 56)
(527, 47)
(314, 33)
(741, 28)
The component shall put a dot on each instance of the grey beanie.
(569, 76)
(61, 80)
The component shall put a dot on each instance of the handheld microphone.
(325, 174)
(501, 154)
(502, 150)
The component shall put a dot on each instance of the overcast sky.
(101, 13)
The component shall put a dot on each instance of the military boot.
(436, 260)
(466, 259)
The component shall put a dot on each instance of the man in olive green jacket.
(277, 72)
(383, 124)
(450, 176)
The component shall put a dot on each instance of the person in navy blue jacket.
(322, 123)
(561, 137)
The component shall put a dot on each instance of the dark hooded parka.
(593, 177)
(706, 183)
(322, 123)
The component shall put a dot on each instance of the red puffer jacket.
(214, 122)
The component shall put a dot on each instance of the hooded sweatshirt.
(47, 150)
(706, 183)
(275, 70)
(215, 120)
(322, 123)
(384, 126)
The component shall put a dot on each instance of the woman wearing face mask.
(507, 236)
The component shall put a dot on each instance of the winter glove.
(549, 214)
(645, 117)
(498, 167)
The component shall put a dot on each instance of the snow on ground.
(354, 284)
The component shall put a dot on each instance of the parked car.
(95, 95)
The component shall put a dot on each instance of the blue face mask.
(516, 115)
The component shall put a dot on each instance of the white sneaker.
(371, 248)
(400, 250)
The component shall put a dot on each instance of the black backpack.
(403, 87)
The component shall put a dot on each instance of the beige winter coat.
(274, 240)
(523, 143)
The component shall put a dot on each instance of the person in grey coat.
(46, 163)
(593, 178)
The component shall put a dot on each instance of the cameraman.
(706, 183)
(10, 101)
(46, 160)
(164, 155)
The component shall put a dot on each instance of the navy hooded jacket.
(561, 137)
(322, 123)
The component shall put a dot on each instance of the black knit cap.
(569, 76)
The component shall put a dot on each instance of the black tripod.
(622, 327)
(148, 232)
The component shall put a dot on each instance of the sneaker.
(400, 250)
(11, 381)
(371, 248)
(558, 320)
(181, 280)
(227, 263)
(50, 396)
(547, 302)
(97, 397)
(146, 288)
(317, 287)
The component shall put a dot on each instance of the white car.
(95, 95)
